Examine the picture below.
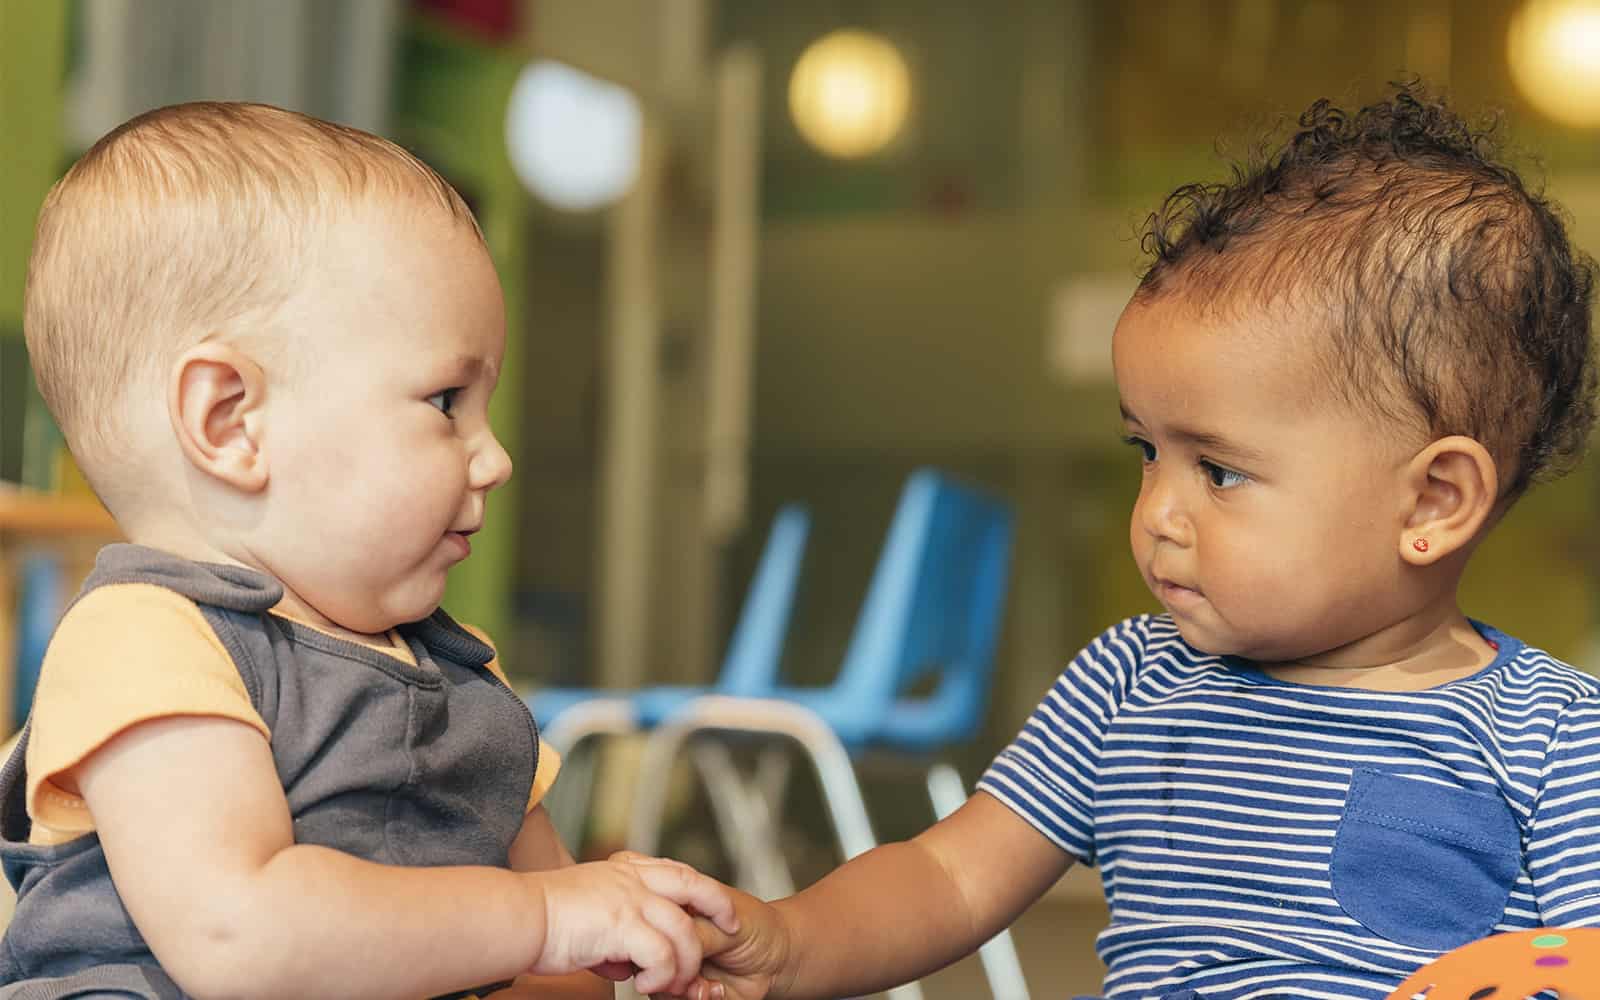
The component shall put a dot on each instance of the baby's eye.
(1222, 478)
(1146, 449)
(445, 400)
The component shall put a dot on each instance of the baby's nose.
(491, 465)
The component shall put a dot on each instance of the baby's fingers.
(617, 972)
(713, 939)
(656, 957)
(684, 886)
(673, 924)
(700, 989)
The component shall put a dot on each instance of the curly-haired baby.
(1313, 773)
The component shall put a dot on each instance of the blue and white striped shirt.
(1258, 838)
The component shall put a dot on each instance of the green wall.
(33, 35)
(450, 110)
(33, 49)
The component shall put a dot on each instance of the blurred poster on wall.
(330, 58)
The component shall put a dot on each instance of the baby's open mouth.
(1176, 592)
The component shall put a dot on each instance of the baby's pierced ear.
(1456, 487)
(215, 397)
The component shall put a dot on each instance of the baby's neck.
(294, 607)
(191, 545)
(179, 541)
(1413, 655)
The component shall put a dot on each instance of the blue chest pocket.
(1421, 864)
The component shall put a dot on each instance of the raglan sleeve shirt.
(1047, 774)
(122, 655)
(131, 653)
(1563, 852)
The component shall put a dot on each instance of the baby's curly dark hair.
(1450, 290)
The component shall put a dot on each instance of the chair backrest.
(935, 601)
(40, 602)
(755, 651)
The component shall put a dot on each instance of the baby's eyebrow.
(1202, 439)
(1215, 444)
(467, 368)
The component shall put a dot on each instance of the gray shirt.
(420, 765)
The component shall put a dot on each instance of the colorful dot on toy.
(1513, 966)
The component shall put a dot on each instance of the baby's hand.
(630, 913)
(744, 964)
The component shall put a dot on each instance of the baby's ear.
(215, 398)
(1455, 487)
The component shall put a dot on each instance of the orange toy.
(1512, 967)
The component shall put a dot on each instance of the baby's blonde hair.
(188, 223)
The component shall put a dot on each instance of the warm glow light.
(850, 93)
(572, 139)
(1554, 50)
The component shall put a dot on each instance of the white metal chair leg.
(744, 822)
(661, 750)
(568, 800)
(759, 716)
(773, 767)
(598, 716)
(831, 761)
(739, 821)
(1001, 964)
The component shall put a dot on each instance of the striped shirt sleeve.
(1047, 774)
(1564, 839)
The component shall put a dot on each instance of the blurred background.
(762, 253)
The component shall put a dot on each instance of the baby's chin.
(393, 613)
(1214, 643)
(1259, 655)
(1205, 642)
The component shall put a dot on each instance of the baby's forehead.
(394, 277)
(1289, 356)
(1281, 332)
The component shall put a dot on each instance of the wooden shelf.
(73, 525)
(37, 515)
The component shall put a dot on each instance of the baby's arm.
(200, 844)
(891, 915)
(539, 848)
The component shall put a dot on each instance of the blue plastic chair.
(570, 717)
(933, 609)
(39, 607)
(932, 614)
(750, 666)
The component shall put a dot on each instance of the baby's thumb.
(713, 939)
(700, 989)
(617, 972)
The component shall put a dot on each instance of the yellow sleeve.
(549, 760)
(545, 776)
(124, 654)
